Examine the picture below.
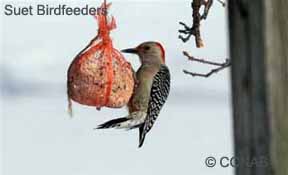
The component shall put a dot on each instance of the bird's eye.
(146, 48)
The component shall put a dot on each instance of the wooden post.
(276, 47)
(258, 47)
(251, 119)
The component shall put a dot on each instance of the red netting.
(99, 75)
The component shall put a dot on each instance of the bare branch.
(221, 66)
(205, 75)
(191, 58)
(207, 5)
(187, 32)
(195, 29)
(222, 3)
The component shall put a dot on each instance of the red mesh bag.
(99, 75)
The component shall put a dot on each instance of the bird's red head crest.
(162, 51)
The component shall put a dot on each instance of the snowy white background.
(40, 138)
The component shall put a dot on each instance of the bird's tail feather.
(134, 120)
(141, 136)
(113, 123)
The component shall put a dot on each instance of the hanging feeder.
(99, 75)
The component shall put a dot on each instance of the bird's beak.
(131, 50)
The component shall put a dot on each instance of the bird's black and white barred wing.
(158, 95)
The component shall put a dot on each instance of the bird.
(152, 86)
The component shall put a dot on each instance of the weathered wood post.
(276, 47)
(259, 53)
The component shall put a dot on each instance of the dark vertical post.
(251, 117)
(259, 54)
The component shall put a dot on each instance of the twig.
(191, 58)
(187, 32)
(222, 3)
(206, 75)
(222, 66)
(207, 5)
(195, 29)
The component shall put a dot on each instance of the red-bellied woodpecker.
(150, 92)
